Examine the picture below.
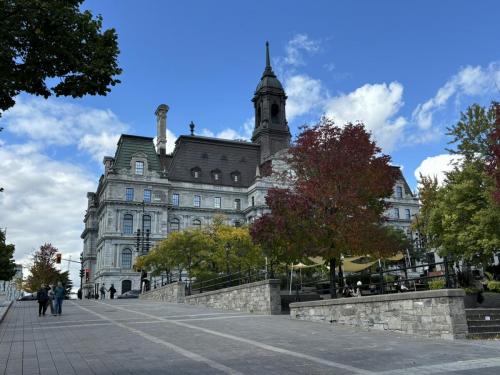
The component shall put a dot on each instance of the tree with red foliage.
(335, 204)
(493, 160)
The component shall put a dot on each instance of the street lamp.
(228, 248)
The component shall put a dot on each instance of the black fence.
(226, 281)
(393, 279)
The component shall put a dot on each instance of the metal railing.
(383, 281)
(226, 280)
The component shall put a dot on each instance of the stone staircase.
(483, 323)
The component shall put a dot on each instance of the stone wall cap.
(383, 297)
(238, 287)
(178, 283)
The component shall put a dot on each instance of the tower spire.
(269, 70)
(268, 60)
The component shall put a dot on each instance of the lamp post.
(228, 248)
(142, 245)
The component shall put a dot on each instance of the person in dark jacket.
(42, 297)
(112, 291)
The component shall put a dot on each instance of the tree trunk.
(333, 284)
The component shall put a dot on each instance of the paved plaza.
(138, 337)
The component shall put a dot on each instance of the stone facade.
(436, 313)
(174, 293)
(145, 189)
(261, 297)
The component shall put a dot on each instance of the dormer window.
(139, 168)
(196, 172)
(216, 175)
(236, 176)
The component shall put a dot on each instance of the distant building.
(147, 190)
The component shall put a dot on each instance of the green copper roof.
(128, 145)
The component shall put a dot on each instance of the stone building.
(147, 191)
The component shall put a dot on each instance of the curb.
(4, 309)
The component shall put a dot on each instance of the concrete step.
(484, 335)
(492, 329)
(483, 323)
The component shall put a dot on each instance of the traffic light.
(87, 274)
(81, 273)
(58, 258)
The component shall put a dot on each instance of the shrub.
(436, 284)
(494, 286)
(471, 291)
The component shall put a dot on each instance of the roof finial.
(268, 60)
(191, 127)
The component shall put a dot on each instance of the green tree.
(45, 42)
(7, 264)
(43, 270)
(463, 219)
(460, 218)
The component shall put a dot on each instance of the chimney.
(161, 129)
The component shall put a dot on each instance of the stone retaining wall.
(262, 297)
(435, 313)
(174, 292)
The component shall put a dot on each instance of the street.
(144, 337)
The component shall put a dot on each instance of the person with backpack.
(42, 298)
(59, 296)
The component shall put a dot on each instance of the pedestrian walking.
(112, 291)
(42, 298)
(103, 292)
(51, 300)
(59, 296)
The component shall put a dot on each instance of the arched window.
(126, 286)
(259, 115)
(275, 111)
(146, 223)
(174, 225)
(128, 224)
(197, 224)
(127, 259)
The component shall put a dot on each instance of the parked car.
(28, 297)
(130, 294)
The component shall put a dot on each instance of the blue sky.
(406, 69)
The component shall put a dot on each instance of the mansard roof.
(210, 154)
(130, 145)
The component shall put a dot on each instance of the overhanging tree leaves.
(336, 203)
(44, 39)
(461, 218)
(7, 264)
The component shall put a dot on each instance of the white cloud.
(54, 122)
(296, 46)
(44, 201)
(470, 81)
(376, 105)
(243, 133)
(436, 166)
(304, 95)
